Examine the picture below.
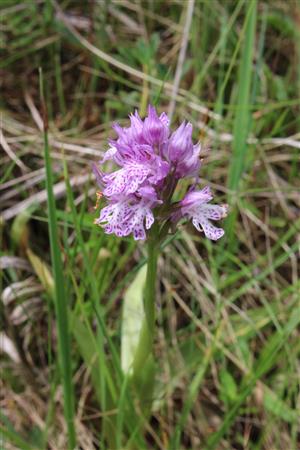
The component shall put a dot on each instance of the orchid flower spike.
(151, 161)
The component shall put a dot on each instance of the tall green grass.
(61, 301)
(241, 125)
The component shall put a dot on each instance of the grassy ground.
(227, 345)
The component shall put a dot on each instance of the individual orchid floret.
(134, 172)
(126, 180)
(156, 129)
(190, 165)
(195, 206)
(134, 133)
(180, 145)
(125, 216)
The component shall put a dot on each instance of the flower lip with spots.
(195, 206)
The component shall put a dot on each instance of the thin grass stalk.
(60, 299)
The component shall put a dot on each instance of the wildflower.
(195, 205)
(151, 162)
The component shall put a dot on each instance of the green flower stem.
(145, 346)
(149, 304)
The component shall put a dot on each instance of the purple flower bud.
(98, 175)
(136, 128)
(180, 146)
(156, 129)
(189, 166)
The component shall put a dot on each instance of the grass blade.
(61, 305)
(7, 432)
(242, 115)
(266, 360)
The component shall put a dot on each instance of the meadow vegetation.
(228, 313)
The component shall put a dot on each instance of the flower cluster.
(151, 161)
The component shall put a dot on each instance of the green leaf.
(20, 230)
(133, 314)
(228, 386)
(42, 271)
(88, 349)
(278, 407)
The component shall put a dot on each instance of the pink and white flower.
(151, 161)
(195, 206)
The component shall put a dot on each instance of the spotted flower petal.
(125, 217)
(126, 180)
(196, 207)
